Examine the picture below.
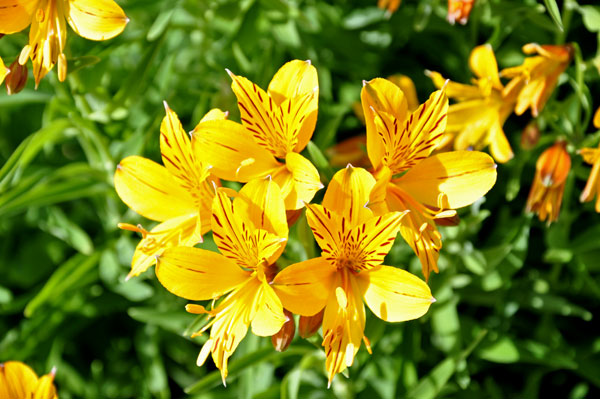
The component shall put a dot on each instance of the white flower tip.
(309, 62)
(128, 277)
(349, 166)
(427, 73)
(495, 166)
(445, 84)
(433, 300)
(166, 105)
(231, 75)
(226, 114)
(269, 177)
(365, 83)
(53, 371)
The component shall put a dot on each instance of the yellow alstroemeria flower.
(592, 187)
(91, 19)
(3, 71)
(250, 233)
(596, 120)
(476, 120)
(277, 125)
(354, 149)
(354, 243)
(551, 172)
(538, 76)
(399, 144)
(19, 381)
(178, 194)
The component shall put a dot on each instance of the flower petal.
(394, 294)
(96, 19)
(328, 229)
(198, 274)
(381, 95)
(184, 230)
(3, 71)
(150, 190)
(45, 388)
(348, 194)
(304, 287)
(499, 145)
(455, 90)
(261, 204)
(16, 15)
(483, 63)
(295, 88)
(373, 239)
(597, 119)
(267, 315)
(17, 380)
(408, 88)
(299, 181)
(231, 152)
(462, 176)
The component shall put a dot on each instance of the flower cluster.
(19, 381)
(406, 189)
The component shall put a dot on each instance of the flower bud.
(282, 339)
(459, 10)
(16, 78)
(308, 325)
(530, 135)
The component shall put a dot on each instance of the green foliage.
(515, 299)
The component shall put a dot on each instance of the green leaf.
(591, 17)
(554, 13)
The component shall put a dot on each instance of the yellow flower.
(354, 243)
(597, 119)
(592, 187)
(476, 120)
(3, 71)
(91, 19)
(399, 144)
(19, 381)
(251, 233)
(389, 5)
(538, 76)
(551, 171)
(459, 10)
(277, 124)
(178, 194)
(354, 149)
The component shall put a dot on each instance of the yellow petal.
(16, 15)
(296, 85)
(328, 229)
(299, 181)
(374, 239)
(184, 230)
(589, 155)
(597, 118)
(454, 90)
(246, 246)
(261, 204)
(267, 316)
(197, 274)
(304, 287)
(150, 190)
(96, 19)
(408, 88)
(17, 380)
(214, 114)
(45, 388)
(3, 71)
(499, 145)
(483, 63)
(177, 154)
(463, 176)
(348, 194)
(231, 152)
(381, 95)
(394, 294)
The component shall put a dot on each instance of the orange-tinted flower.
(551, 171)
(19, 381)
(538, 75)
(459, 10)
(476, 121)
(91, 19)
(592, 187)
(389, 5)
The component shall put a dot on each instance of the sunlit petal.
(198, 274)
(394, 294)
(96, 19)
(483, 63)
(16, 15)
(17, 380)
(299, 182)
(261, 204)
(348, 194)
(267, 316)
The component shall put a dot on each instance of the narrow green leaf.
(554, 13)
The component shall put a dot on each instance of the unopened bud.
(285, 336)
(16, 78)
(530, 135)
(308, 325)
